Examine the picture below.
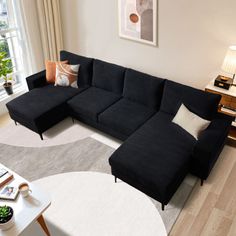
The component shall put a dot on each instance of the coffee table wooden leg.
(42, 223)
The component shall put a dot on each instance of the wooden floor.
(4, 119)
(210, 209)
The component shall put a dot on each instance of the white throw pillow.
(66, 75)
(189, 121)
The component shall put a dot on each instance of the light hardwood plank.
(203, 215)
(218, 189)
(232, 231)
(217, 224)
(218, 178)
(185, 221)
(197, 198)
(227, 198)
(4, 119)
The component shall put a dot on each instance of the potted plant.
(6, 217)
(5, 70)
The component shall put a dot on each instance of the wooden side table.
(227, 104)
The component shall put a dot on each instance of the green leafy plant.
(5, 67)
(6, 213)
(4, 47)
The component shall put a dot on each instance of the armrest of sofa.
(37, 80)
(210, 145)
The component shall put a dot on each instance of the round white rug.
(92, 204)
(62, 133)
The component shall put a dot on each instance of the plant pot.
(9, 222)
(8, 88)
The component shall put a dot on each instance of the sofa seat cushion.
(125, 116)
(38, 101)
(156, 158)
(90, 103)
(41, 108)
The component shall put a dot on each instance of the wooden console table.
(228, 100)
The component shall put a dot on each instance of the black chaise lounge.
(134, 107)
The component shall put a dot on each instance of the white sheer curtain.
(39, 24)
(50, 28)
(29, 36)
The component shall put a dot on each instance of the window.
(10, 41)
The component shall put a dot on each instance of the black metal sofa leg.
(15, 122)
(115, 180)
(202, 180)
(41, 136)
(162, 207)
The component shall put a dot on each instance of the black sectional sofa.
(137, 108)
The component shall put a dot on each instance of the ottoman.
(155, 159)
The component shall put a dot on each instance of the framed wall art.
(138, 20)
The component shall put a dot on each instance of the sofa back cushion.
(143, 88)
(199, 102)
(85, 69)
(108, 76)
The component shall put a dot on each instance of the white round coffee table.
(92, 204)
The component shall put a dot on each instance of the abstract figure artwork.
(138, 20)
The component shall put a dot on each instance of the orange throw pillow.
(51, 70)
(67, 75)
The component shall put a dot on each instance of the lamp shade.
(229, 64)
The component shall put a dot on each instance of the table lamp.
(228, 66)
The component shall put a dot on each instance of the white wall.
(193, 37)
